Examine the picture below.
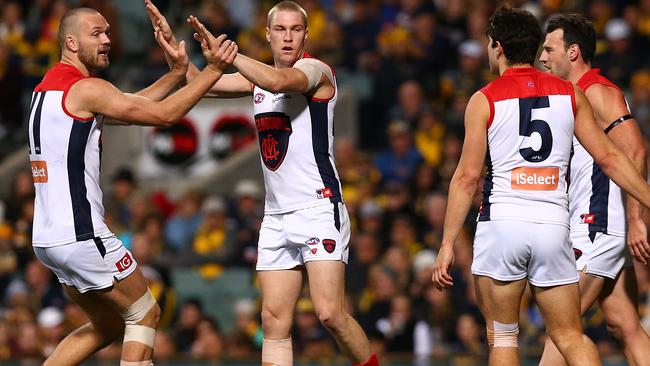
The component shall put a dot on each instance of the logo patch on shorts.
(588, 218)
(314, 250)
(535, 179)
(124, 263)
(312, 241)
(577, 253)
(329, 245)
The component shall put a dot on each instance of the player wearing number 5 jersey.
(523, 124)
(601, 223)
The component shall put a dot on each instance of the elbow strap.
(618, 122)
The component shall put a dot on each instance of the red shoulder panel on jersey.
(61, 77)
(526, 82)
(592, 77)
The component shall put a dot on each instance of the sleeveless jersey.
(595, 201)
(529, 146)
(296, 137)
(65, 152)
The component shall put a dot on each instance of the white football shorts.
(291, 239)
(604, 256)
(508, 250)
(88, 265)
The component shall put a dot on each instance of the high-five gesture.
(159, 21)
(219, 52)
(175, 53)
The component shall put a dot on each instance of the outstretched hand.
(176, 55)
(159, 21)
(219, 52)
(441, 277)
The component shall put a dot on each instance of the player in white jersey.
(305, 222)
(524, 122)
(68, 110)
(599, 217)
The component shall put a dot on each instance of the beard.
(92, 60)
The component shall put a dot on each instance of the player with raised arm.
(68, 111)
(305, 220)
(601, 222)
(522, 124)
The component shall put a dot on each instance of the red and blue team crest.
(274, 130)
(329, 245)
(259, 98)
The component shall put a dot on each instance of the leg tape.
(503, 335)
(140, 333)
(133, 315)
(139, 309)
(277, 352)
(136, 363)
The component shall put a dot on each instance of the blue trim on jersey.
(484, 214)
(320, 143)
(36, 126)
(599, 200)
(83, 223)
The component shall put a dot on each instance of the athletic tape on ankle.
(503, 335)
(277, 352)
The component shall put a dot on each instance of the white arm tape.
(313, 69)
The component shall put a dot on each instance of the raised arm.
(612, 113)
(610, 158)
(228, 86)
(96, 96)
(463, 185)
(178, 65)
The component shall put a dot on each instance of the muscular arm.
(610, 158)
(609, 105)
(463, 184)
(466, 177)
(96, 96)
(163, 86)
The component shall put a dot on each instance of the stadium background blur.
(407, 67)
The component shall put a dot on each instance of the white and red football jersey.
(296, 138)
(65, 154)
(530, 135)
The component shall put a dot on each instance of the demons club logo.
(329, 245)
(274, 130)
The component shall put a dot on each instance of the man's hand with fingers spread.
(175, 54)
(219, 52)
(159, 21)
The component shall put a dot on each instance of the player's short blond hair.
(286, 5)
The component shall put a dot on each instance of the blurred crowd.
(413, 63)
